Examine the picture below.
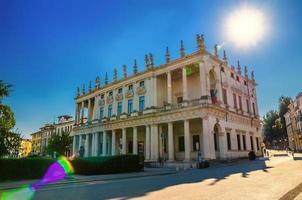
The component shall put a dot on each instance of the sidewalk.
(7, 185)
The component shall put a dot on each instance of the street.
(244, 180)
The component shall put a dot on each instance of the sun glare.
(246, 27)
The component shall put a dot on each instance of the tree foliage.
(274, 125)
(9, 141)
(59, 143)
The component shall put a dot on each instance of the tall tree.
(269, 120)
(60, 143)
(5, 90)
(283, 108)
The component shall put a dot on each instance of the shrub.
(252, 155)
(107, 165)
(23, 168)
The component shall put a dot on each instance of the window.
(196, 144)
(245, 83)
(240, 102)
(257, 143)
(120, 90)
(237, 78)
(141, 103)
(254, 109)
(130, 106)
(222, 69)
(252, 143)
(248, 106)
(181, 143)
(224, 95)
(142, 83)
(110, 110)
(238, 142)
(179, 99)
(244, 143)
(130, 87)
(235, 100)
(229, 141)
(130, 147)
(215, 141)
(232, 75)
(102, 96)
(101, 113)
(110, 93)
(119, 108)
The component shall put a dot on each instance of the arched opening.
(213, 88)
(216, 131)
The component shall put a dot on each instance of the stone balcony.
(119, 97)
(129, 94)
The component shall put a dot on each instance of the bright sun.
(246, 27)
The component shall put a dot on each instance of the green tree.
(59, 143)
(283, 108)
(268, 125)
(5, 90)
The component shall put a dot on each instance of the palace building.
(195, 104)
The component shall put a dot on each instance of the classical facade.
(293, 120)
(195, 103)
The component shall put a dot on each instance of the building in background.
(293, 120)
(194, 104)
(36, 139)
(26, 148)
(42, 137)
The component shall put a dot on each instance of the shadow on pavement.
(140, 187)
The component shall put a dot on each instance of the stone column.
(160, 132)
(169, 87)
(96, 143)
(104, 143)
(113, 142)
(171, 141)
(222, 145)
(154, 142)
(147, 156)
(187, 140)
(208, 138)
(184, 84)
(86, 153)
(80, 141)
(76, 114)
(74, 145)
(82, 112)
(202, 77)
(135, 140)
(154, 90)
(124, 141)
(93, 145)
(89, 110)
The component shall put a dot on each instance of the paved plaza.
(259, 179)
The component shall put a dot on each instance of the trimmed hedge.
(23, 168)
(107, 165)
(36, 167)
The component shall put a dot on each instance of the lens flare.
(246, 26)
(55, 172)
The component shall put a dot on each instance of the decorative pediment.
(119, 97)
(141, 90)
(109, 99)
(129, 94)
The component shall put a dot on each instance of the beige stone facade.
(196, 103)
(293, 119)
(36, 139)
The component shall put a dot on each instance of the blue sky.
(48, 48)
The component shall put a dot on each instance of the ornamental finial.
(135, 67)
(83, 89)
(238, 67)
(147, 62)
(89, 87)
(201, 40)
(216, 50)
(245, 71)
(167, 55)
(114, 75)
(151, 60)
(97, 82)
(106, 79)
(124, 71)
(225, 58)
(182, 49)
(198, 41)
(78, 92)
(253, 75)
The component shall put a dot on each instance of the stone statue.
(114, 75)
(124, 71)
(135, 67)
(167, 55)
(182, 49)
(97, 82)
